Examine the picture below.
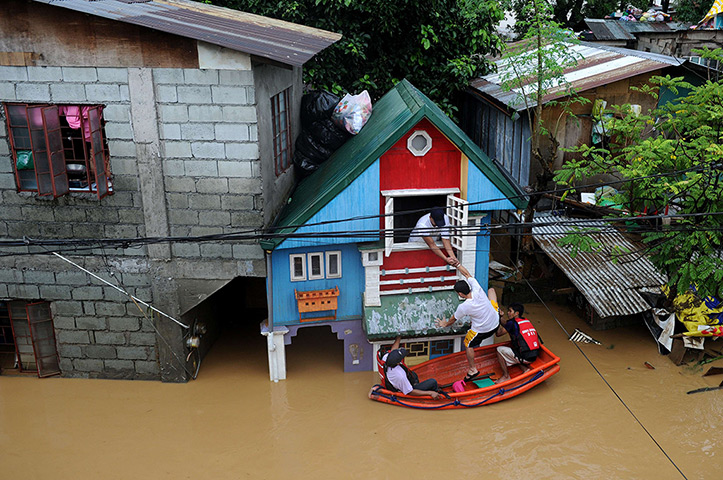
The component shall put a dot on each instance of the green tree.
(672, 158)
(438, 45)
(535, 67)
(692, 11)
(572, 13)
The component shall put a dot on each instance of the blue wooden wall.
(351, 284)
(482, 259)
(480, 188)
(361, 198)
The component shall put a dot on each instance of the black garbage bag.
(311, 148)
(328, 134)
(304, 166)
(317, 106)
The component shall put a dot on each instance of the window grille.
(57, 149)
(280, 119)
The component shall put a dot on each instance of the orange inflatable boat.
(450, 369)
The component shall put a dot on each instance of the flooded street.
(233, 423)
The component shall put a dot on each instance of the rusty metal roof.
(265, 37)
(612, 29)
(597, 65)
(611, 288)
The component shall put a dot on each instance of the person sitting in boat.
(482, 311)
(525, 342)
(398, 378)
(431, 227)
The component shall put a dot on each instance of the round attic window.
(419, 143)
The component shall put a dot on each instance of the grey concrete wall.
(269, 81)
(185, 161)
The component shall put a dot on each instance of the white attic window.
(419, 143)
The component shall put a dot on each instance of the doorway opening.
(232, 316)
(315, 349)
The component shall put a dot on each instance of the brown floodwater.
(233, 423)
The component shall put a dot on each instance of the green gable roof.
(393, 116)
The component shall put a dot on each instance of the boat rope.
(455, 402)
(606, 382)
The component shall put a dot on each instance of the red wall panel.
(439, 168)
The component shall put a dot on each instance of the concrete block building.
(132, 120)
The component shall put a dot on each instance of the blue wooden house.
(338, 253)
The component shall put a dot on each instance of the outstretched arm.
(441, 323)
(451, 257)
(461, 269)
(437, 251)
(397, 342)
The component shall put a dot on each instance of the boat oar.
(479, 377)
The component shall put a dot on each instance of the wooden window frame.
(302, 277)
(328, 263)
(45, 135)
(310, 274)
(281, 130)
(37, 319)
(457, 213)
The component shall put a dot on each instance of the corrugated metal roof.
(612, 29)
(265, 37)
(392, 116)
(612, 289)
(597, 65)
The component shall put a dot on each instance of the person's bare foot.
(502, 380)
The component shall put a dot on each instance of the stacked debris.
(688, 328)
(326, 124)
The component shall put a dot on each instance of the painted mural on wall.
(412, 316)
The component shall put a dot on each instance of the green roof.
(397, 112)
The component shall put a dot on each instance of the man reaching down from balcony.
(433, 226)
(483, 312)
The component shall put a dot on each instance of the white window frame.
(414, 151)
(302, 277)
(328, 263)
(367, 260)
(310, 269)
(457, 215)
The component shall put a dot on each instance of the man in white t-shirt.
(482, 311)
(431, 227)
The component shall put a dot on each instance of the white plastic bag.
(352, 112)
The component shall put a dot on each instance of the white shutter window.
(297, 266)
(388, 226)
(458, 213)
(316, 266)
(333, 264)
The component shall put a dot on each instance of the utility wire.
(134, 298)
(463, 231)
(602, 377)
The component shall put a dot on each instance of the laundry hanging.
(77, 116)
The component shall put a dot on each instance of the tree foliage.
(438, 45)
(692, 11)
(572, 13)
(677, 167)
(535, 67)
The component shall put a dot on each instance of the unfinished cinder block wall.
(181, 123)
